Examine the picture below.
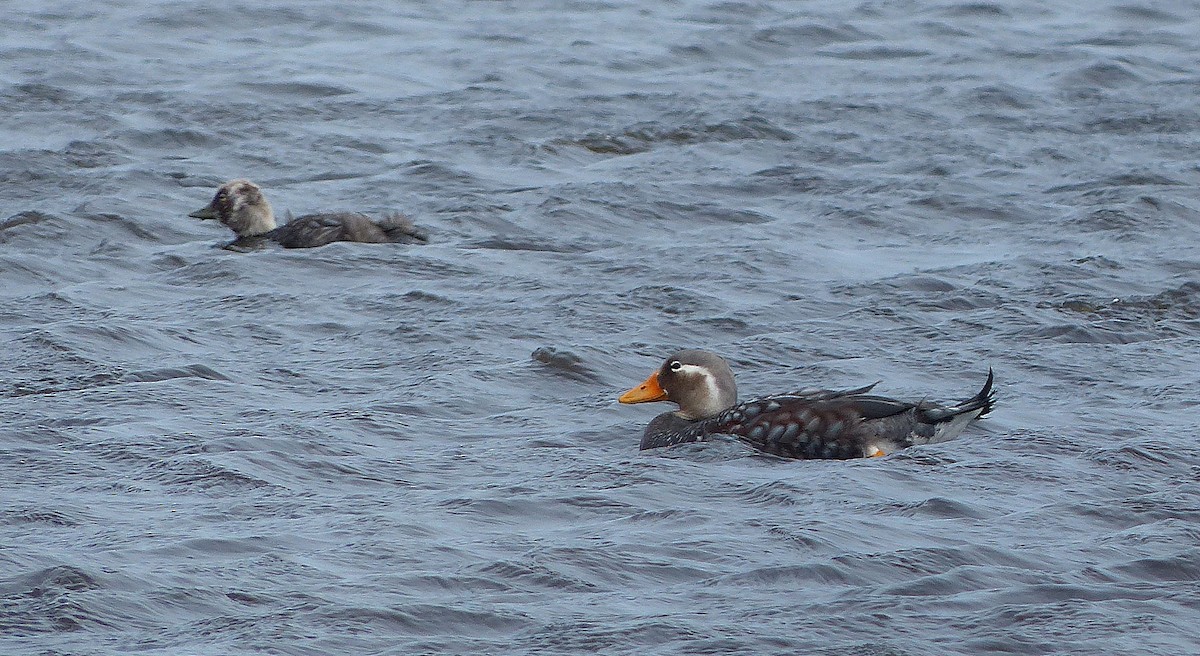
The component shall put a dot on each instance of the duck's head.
(241, 206)
(701, 383)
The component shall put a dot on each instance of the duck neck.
(253, 220)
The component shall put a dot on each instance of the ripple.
(299, 89)
(47, 602)
(643, 138)
(381, 450)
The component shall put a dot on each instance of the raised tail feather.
(984, 402)
(986, 398)
(950, 421)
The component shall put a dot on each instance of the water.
(368, 449)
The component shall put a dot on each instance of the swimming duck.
(243, 208)
(812, 423)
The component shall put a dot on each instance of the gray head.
(241, 206)
(700, 382)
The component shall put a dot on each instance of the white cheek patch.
(712, 392)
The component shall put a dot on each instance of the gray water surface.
(385, 449)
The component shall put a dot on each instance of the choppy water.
(355, 450)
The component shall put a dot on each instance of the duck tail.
(949, 421)
(400, 229)
(985, 400)
(980, 404)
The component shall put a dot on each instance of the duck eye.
(676, 365)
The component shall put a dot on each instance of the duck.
(242, 207)
(808, 424)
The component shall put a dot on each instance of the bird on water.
(242, 207)
(811, 423)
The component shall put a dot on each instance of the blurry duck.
(243, 208)
(806, 424)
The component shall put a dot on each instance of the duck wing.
(312, 230)
(809, 423)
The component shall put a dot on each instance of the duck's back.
(312, 230)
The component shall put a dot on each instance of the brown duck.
(813, 423)
(243, 208)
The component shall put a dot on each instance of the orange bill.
(647, 391)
